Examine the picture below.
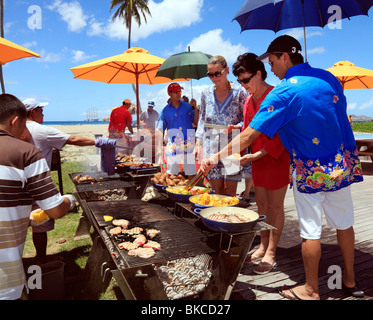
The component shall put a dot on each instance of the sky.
(69, 33)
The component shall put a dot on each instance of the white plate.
(215, 126)
(232, 158)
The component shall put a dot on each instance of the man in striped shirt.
(24, 178)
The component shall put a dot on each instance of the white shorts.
(187, 159)
(336, 205)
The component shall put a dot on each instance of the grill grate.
(178, 240)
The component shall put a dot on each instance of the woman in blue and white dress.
(220, 120)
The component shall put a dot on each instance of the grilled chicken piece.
(151, 233)
(115, 231)
(121, 223)
(128, 245)
(135, 230)
(142, 252)
(140, 240)
(152, 244)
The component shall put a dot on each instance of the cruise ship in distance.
(92, 115)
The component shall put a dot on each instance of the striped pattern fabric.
(24, 178)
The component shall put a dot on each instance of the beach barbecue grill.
(214, 259)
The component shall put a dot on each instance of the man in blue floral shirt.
(308, 110)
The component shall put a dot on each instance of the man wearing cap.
(120, 119)
(46, 138)
(308, 110)
(177, 117)
(149, 117)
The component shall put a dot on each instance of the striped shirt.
(24, 177)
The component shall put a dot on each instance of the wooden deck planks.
(289, 271)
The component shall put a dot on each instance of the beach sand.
(77, 153)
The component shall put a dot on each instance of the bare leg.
(311, 253)
(346, 241)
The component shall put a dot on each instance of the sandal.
(252, 258)
(265, 267)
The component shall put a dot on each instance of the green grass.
(363, 127)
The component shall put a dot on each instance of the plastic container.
(53, 282)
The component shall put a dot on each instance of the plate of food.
(233, 157)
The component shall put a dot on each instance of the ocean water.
(73, 123)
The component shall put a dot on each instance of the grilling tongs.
(194, 181)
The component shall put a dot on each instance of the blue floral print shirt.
(308, 110)
(230, 111)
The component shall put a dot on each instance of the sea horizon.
(73, 123)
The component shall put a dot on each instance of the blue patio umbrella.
(278, 15)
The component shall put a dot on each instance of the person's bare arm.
(80, 141)
(59, 211)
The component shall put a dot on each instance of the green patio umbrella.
(189, 65)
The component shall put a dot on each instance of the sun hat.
(173, 87)
(32, 103)
(281, 44)
(151, 104)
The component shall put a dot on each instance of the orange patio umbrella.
(10, 51)
(351, 76)
(134, 66)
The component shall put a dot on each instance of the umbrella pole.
(191, 88)
(304, 34)
(137, 102)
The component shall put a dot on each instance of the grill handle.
(139, 274)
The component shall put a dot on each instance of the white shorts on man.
(337, 207)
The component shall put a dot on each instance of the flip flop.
(266, 266)
(295, 296)
(252, 258)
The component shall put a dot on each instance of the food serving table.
(183, 236)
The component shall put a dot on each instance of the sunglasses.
(247, 80)
(176, 91)
(216, 74)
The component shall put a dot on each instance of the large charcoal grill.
(183, 236)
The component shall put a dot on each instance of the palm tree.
(128, 9)
(2, 35)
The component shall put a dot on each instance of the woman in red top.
(270, 163)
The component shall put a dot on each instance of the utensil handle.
(197, 210)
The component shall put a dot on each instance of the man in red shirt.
(120, 118)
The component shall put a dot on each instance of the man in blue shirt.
(177, 117)
(308, 110)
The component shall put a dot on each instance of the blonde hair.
(218, 59)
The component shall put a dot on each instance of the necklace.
(229, 87)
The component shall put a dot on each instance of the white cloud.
(351, 106)
(166, 15)
(316, 50)
(367, 105)
(49, 57)
(213, 43)
(81, 56)
(71, 13)
(28, 45)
